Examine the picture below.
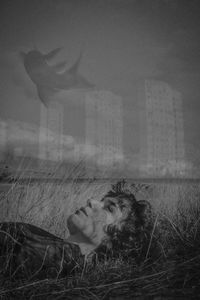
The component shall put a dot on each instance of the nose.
(89, 203)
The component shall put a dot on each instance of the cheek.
(88, 230)
(114, 217)
(100, 218)
(98, 222)
(109, 218)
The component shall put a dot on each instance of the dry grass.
(48, 203)
(175, 275)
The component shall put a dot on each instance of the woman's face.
(90, 221)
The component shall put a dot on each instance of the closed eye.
(110, 205)
(111, 208)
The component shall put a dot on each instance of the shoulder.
(34, 247)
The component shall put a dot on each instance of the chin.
(73, 223)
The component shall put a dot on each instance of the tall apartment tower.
(3, 139)
(162, 149)
(51, 132)
(104, 128)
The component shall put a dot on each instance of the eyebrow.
(111, 201)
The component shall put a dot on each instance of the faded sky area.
(121, 42)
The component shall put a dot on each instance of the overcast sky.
(121, 41)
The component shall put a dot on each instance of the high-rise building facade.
(3, 139)
(104, 128)
(18, 139)
(162, 150)
(51, 132)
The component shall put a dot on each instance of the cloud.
(102, 156)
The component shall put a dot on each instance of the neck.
(85, 245)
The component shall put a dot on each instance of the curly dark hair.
(133, 237)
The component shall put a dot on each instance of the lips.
(83, 210)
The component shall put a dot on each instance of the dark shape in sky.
(49, 79)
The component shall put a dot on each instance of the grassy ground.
(176, 275)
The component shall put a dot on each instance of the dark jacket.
(26, 250)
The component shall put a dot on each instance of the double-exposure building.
(51, 132)
(162, 149)
(103, 131)
(3, 139)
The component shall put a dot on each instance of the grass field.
(175, 276)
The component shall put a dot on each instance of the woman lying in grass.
(116, 225)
